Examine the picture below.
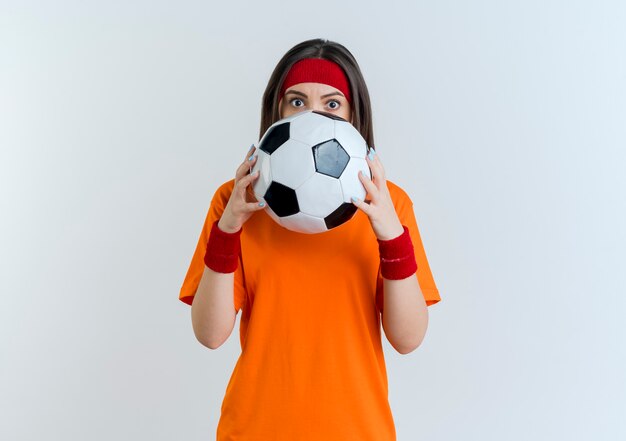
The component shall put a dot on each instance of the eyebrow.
(296, 92)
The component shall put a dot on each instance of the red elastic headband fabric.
(317, 70)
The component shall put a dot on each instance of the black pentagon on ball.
(340, 215)
(276, 137)
(282, 199)
(329, 115)
(330, 158)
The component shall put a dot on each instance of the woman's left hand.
(380, 210)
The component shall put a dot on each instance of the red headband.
(317, 70)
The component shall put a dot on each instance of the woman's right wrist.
(222, 225)
(223, 248)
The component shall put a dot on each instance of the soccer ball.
(309, 164)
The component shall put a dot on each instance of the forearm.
(212, 312)
(405, 314)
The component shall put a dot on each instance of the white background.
(504, 121)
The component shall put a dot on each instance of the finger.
(250, 186)
(375, 167)
(379, 163)
(361, 205)
(242, 170)
(247, 179)
(245, 167)
(243, 183)
(250, 151)
(369, 186)
(255, 206)
(251, 160)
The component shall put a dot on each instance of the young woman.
(312, 364)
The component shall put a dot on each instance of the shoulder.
(224, 191)
(221, 197)
(226, 187)
(401, 200)
(398, 195)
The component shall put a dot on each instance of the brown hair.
(329, 50)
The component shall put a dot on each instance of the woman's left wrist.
(392, 233)
(397, 256)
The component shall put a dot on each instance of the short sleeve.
(196, 267)
(404, 208)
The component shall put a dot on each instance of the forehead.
(312, 87)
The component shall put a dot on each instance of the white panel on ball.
(350, 139)
(309, 193)
(300, 160)
(312, 130)
(265, 178)
(350, 182)
(304, 223)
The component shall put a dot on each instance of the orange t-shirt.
(311, 365)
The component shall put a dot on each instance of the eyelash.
(338, 103)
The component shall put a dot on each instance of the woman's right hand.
(240, 206)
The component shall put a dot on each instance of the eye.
(294, 100)
(334, 107)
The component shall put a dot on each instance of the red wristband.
(222, 251)
(397, 257)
